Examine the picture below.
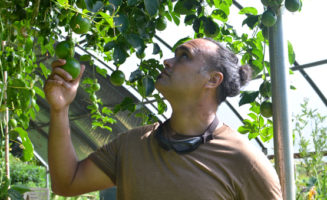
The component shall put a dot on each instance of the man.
(191, 156)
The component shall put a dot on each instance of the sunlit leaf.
(26, 142)
(248, 10)
(248, 97)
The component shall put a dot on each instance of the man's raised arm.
(69, 177)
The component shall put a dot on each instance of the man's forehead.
(199, 45)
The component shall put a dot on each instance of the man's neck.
(192, 120)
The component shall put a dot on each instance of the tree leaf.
(101, 71)
(109, 46)
(151, 6)
(26, 142)
(291, 54)
(132, 2)
(248, 10)
(136, 42)
(85, 57)
(243, 129)
(156, 49)
(93, 5)
(251, 21)
(220, 15)
(135, 75)
(148, 85)
(121, 22)
(20, 188)
(179, 42)
(248, 97)
(119, 55)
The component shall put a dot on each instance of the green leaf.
(108, 18)
(39, 91)
(135, 75)
(84, 58)
(251, 21)
(26, 142)
(20, 188)
(156, 49)
(148, 85)
(248, 97)
(179, 42)
(107, 111)
(219, 15)
(63, 2)
(243, 130)
(249, 10)
(291, 54)
(132, 2)
(253, 116)
(151, 6)
(162, 107)
(121, 22)
(136, 42)
(189, 19)
(119, 55)
(116, 3)
(101, 71)
(184, 7)
(93, 5)
(45, 70)
(109, 46)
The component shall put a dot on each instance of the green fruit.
(161, 24)
(93, 97)
(73, 67)
(12, 123)
(117, 78)
(96, 87)
(265, 89)
(269, 18)
(79, 24)
(65, 49)
(292, 5)
(211, 29)
(266, 109)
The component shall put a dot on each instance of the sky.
(307, 32)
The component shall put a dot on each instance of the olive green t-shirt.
(227, 167)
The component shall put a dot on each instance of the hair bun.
(245, 72)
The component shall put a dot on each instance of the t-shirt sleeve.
(262, 181)
(106, 158)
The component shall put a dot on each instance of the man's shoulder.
(141, 132)
(238, 145)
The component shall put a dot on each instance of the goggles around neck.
(186, 145)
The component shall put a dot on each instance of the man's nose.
(168, 63)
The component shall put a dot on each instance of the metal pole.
(283, 146)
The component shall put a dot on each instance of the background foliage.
(29, 30)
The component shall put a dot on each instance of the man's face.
(186, 73)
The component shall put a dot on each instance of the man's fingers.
(58, 63)
(62, 73)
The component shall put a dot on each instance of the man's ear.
(216, 78)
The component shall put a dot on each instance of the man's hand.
(60, 89)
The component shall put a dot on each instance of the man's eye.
(184, 56)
